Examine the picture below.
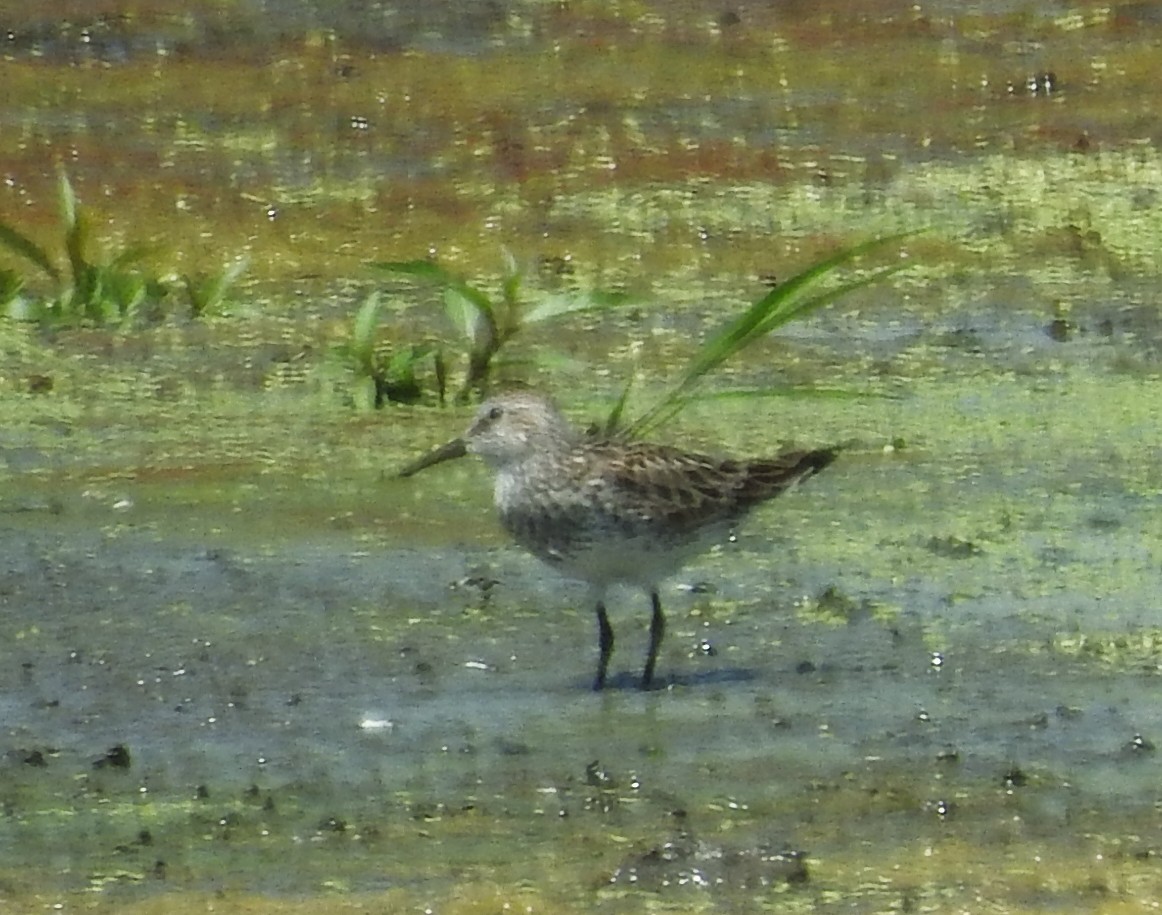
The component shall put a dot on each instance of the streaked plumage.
(610, 512)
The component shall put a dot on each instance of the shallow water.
(244, 668)
(929, 660)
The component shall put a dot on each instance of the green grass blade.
(67, 199)
(774, 309)
(660, 414)
(476, 296)
(513, 279)
(76, 241)
(11, 285)
(782, 304)
(509, 322)
(554, 306)
(91, 303)
(474, 320)
(807, 305)
(613, 421)
(207, 293)
(126, 294)
(363, 334)
(401, 367)
(420, 269)
(511, 267)
(21, 244)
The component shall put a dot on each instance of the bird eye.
(495, 413)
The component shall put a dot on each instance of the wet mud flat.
(243, 670)
(927, 679)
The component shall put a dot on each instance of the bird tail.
(814, 461)
(768, 478)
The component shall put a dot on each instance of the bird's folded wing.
(666, 485)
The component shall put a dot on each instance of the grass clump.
(109, 290)
(207, 293)
(380, 375)
(487, 323)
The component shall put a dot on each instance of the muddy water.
(245, 669)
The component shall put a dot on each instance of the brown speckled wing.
(683, 491)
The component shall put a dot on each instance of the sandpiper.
(613, 512)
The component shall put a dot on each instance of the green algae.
(996, 507)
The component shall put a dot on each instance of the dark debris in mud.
(684, 862)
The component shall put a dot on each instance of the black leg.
(605, 644)
(657, 632)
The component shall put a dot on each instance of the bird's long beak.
(454, 449)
